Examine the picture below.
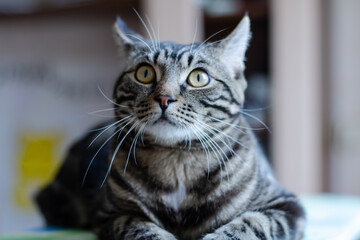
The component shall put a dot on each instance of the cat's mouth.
(164, 119)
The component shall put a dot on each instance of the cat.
(182, 162)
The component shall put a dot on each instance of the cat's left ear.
(125, 38)
(234, 46)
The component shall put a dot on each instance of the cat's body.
(184, 163)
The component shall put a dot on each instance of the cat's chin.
(167, 133)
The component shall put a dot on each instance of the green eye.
(145, 74)
(198, 78)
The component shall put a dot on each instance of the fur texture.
(184, 164)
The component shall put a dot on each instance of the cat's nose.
(164, 100)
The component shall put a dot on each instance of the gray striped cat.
(184, 164)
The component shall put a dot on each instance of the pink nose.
(164, 100)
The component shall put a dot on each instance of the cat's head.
(175, 92)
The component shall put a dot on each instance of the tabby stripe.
(222, 97)
(217, 107)
(292, 211)
(228, 89)
(280, 232)
(190, 59)
(114, 174)
(271, 221)
(202, 62)
(173, 56)
(197, 215)
(259, 234)
(125, 227)
(166, 53)
(123, 206)
(208, 181)
(141, 174)
(231, 236)
(156, 56)
(123, 99)
(181, 54)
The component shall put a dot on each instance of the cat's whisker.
(221, 151)
(221, 139)
(141, 40)
(255, 109)
(102, 116)
(206, 40)
(205, 148)
(97, 152)
(117, 149)
(222, 132)
(94, 113)
(195, 33)
(211, 145)
(98, 129)
(132, 128)
(137, 136)
(153, 33)
(108, 127)
(212, 43)
(111, 101)
(189, 140)
(103, 110)
(142, 133)
(158, 35)
(146, 28)
(237, 127)
(257, 119)
(134, 142)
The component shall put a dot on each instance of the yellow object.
(37, 164)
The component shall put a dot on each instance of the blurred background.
(302, 68)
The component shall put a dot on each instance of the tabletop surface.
(329, 217)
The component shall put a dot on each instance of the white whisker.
(206, 40)
(141, 40)
(109, 126)
(213, 148)
(238, 127)
(117, 149)
(111, 101)
(220, 150)
(257, 119)
(205, 148)
(226, 135)
(193, 41)
(97, 152)
(103, 110)
(146, 28)
(153, 32)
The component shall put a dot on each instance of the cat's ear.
(125, 38)
(234, 46)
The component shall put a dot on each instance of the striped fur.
(194, 170)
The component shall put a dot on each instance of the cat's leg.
(281, 220)
(132, 228)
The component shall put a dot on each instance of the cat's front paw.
(232, 232)
(152, 234)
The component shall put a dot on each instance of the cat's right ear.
(125, 38)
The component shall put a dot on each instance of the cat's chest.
(175, 198)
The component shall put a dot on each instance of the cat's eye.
(198, 78)
(145, 74)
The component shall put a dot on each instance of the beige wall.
(344, 78)
(296, 66)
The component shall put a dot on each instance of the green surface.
(329, 217)
(51, 235)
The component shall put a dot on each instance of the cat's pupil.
(198, 77)
(145, 73)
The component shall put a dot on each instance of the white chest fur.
(175, 198)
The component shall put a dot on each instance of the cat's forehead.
(182, 55)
